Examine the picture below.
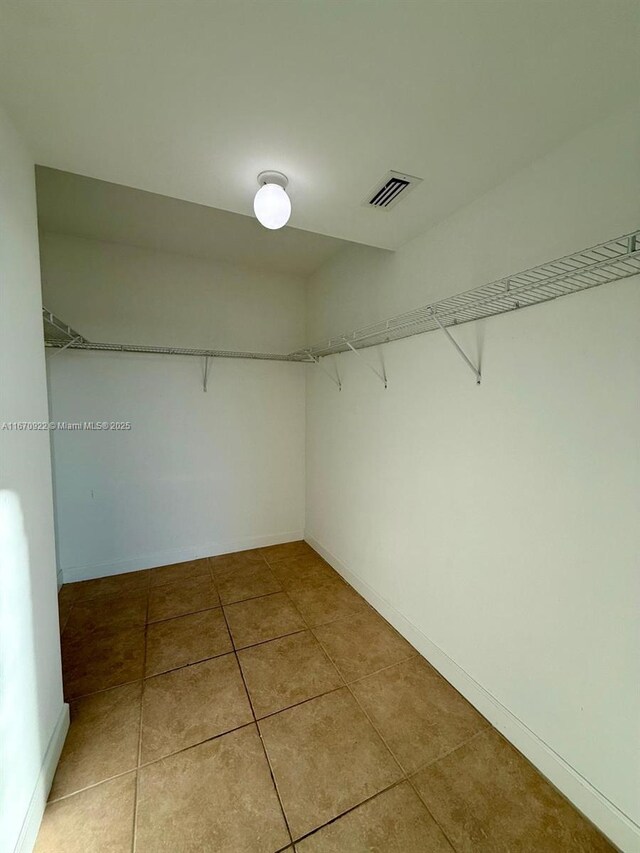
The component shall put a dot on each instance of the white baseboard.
(33, 818)
(173, 555)
(616, 825)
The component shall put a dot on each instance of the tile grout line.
(183, 563)
(350, 809)
(433, 817)
(326, 654)
(102, 690)
(298, 704)
(187, 665)
(93, 785)
(150, 763)
(373, 672)
(271, 639)
(430, 764)
(449, 752)
(251, 597)
(194, 745)
(255, 723)
(181, 615)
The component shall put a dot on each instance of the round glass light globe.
(272, 206)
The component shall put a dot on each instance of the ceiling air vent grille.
(389, 191)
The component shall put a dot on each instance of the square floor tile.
(236, 560)
(286, 671)
(187, 639)
(258, 619)
(98, 819)
(178, 599)
(107, 613)
(123, 584)
(362, 644)
(306, 569)
(102, 661)
(272, 553)
(325, 601)
(189, 705)
(419, 714)
(217, 796)
(326, 758)
(179, 572)
(392, 822)
(102, 740)
(489, 799)
(247, 582)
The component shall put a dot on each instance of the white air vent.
(393, 187)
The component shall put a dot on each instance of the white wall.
(33, 719)
(126, 294)
(198, 473)
(496, 526)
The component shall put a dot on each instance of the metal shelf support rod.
(335, 379)
(465, 357)
(68, 344)
(381, 376)
(205, 374)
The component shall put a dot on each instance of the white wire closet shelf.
(602, 264)
(608, 262)
(59, 335)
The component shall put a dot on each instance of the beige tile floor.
(254, 703)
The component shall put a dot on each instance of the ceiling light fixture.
(272, 205)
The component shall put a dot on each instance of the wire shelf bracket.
(462, 353)
(382, 375)
(337, 381)
(205, 372)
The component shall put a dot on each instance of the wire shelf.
(602, 264)
(607, 262)
(61, 336)
(57, 333)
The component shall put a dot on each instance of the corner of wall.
(33, 818)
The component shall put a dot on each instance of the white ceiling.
(192, 98)
(86, 207)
